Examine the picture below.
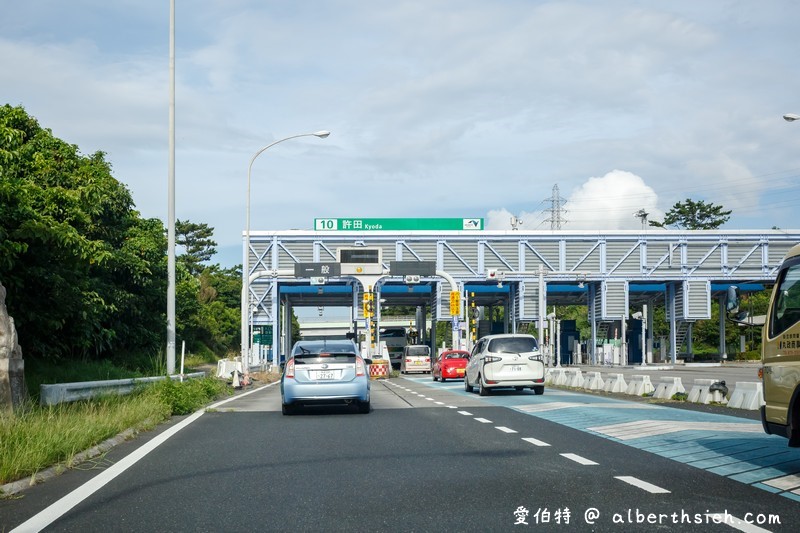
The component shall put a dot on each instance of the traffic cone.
(236, 383)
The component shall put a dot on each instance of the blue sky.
(441, 108)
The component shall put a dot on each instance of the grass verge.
(37, 437)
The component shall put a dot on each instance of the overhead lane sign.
(398, 224)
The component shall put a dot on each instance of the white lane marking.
(578, 459)
(505, 429)
(647, 428)
(644, 485)
(52, 513)
(429, 399)
(736, 523)
(535, 442)
(439, 403)
(452, 407)
(465, 413)
(483, 421)
(554, 406)
(785, 482)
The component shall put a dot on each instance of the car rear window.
(512, 345)
(418, 350)
(457, 355)
(325, 357)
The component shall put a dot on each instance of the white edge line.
(644, 485)
(44, 518)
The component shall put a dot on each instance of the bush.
(189, 396)
(752, 355)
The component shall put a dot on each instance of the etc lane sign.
(398, 224)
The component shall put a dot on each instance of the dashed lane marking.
(505, 429)
(644, 485)
(578, 459)
(483, 421)
(465, 413)
(535, 442)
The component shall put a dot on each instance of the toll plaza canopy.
(609, 271)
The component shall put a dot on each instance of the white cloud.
(610, 202)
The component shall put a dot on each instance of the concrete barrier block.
(747, 395)
(573, 377)
(639, 385)
(225, 367)
(668, 387)
(700, 392)
(615, 383)
(558, 376)
(593, 381)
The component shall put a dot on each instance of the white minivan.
(416, 358)
(507, 360)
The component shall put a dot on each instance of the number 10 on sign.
(455, 303)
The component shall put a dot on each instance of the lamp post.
(245, 330)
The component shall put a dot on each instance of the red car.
(451, 364)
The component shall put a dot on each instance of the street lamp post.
(245, 330)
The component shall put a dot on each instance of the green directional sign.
(398, 224)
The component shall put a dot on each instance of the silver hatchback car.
(508, 360)
(325, 372)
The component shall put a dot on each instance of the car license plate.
(460, 371)
(325, 374)
(515, 368)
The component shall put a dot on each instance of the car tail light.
(290, 368)
(361, 369)
(491, 359)
(535, 357)
(427, 359)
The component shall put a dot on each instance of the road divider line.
(644, 485)
(465, 413)
(578, 459)
(505, 429)
(535, 442)
(483, 421)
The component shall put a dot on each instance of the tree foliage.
(693, 215)
(197, 242)
(85, 273)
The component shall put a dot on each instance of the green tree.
(197, 243)
(693, 215)
(83, 271)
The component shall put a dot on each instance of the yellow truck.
(780, 351)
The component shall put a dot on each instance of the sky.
(437, 108)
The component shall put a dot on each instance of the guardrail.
(82, 390)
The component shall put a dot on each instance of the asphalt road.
(429, 457)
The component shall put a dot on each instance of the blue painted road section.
(728, 446)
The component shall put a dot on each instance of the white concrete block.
(593, 381)
(639, 385)
(747, 395)
(558, 376)
(225, 367)
(700, 392)
(573, 377)
(668, 387)
(615, 383)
